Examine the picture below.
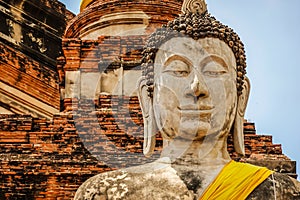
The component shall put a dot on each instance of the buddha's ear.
(144, 99)
(238, 130)
(150, 129)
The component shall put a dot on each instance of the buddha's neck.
(201, 153)
(197, 163)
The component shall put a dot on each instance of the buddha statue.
(194, 91)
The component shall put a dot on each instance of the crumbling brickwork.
(26, 74)
(30, 42)
(42, 159)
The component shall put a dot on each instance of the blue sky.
(270, 30)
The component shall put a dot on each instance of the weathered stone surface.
(279, 164)
(277, 186)
(152, 181)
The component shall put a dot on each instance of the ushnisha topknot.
(195, 25)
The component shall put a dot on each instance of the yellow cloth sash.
(236, 181)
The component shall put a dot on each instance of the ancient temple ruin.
(68, 105)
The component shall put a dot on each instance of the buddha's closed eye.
(213, 69)
(178, 68)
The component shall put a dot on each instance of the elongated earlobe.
(149, 134)
(150, 127)
(238, 130)
(238, 135)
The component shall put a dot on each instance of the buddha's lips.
(202, 108)
(203, 113)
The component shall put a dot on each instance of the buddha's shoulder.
(282, 185)
(150, 181)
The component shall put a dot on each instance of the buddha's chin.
(194, 130)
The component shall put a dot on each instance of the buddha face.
(195, 91)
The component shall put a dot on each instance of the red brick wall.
(41, 159)
(29, 76)
(87, 54)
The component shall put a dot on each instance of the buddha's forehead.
(195, 50)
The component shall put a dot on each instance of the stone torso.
(143, 182)
(162, 181)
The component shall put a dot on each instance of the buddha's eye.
(177, 68)
(214, 69)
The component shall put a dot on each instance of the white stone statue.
(195, 92)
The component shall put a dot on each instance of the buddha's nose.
(198, 87)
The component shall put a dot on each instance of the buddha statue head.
(194, 89)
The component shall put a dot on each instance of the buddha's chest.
(168, 187)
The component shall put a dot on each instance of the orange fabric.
(236, 181)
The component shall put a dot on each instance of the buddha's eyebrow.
(214, 58)
(176, 57)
